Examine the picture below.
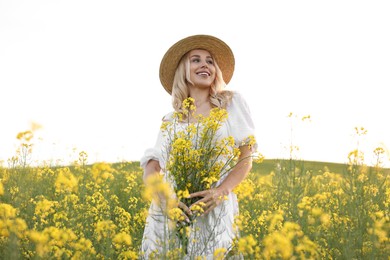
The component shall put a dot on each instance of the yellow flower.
(104, 229)
(316, 211)
(188, 104)
(40, 240)
(362, 177)
(164, 125)
(176, 214)
(247, 245)
(209, 181)
(160, 191)
(245, 189)
(198, 208)
(197, 155)
(7, 211)
(102, 172)
(219, 253)
(128, 255)
(258, 158)
(66, 182)
(121, 240)
(182, 194)
(250, 141)
(83, 249)
(55, 242)
(123, 219)
(44, 207)
(325, 219)
(277, 245)
(26, 135)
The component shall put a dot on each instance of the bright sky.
(87, 71)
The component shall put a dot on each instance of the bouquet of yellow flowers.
(197, 155)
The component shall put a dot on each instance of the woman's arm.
(215, 196)
(152, 167)
(239, 172)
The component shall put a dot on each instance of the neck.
(200, 96)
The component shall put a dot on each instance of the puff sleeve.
(153, 153)
(156, 152)
(240, 123)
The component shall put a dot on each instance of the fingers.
(185, 209)
(203, 193)
(206, 207)
(209, 209)
(210, 200)
(198, 194)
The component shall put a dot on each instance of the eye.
(210, 62)
(195, 60)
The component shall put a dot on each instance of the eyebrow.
(198, 56)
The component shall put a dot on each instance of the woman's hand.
(210, 199)
(213, 197)
(187, 213)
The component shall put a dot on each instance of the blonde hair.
(219, 97)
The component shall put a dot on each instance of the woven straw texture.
(218, 49)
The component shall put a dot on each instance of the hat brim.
(220, 51)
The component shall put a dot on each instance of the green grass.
(341, 211)
(269, 165)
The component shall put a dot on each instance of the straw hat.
(217, 48)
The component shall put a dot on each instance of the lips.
(203, 73)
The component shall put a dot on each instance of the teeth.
(203, 73)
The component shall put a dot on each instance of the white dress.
(216, 229)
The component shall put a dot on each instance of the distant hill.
(269, 165)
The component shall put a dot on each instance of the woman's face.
(202, 69)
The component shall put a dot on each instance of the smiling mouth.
(203, 73)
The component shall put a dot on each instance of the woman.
(199, 67)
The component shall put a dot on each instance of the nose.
(204, 64)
